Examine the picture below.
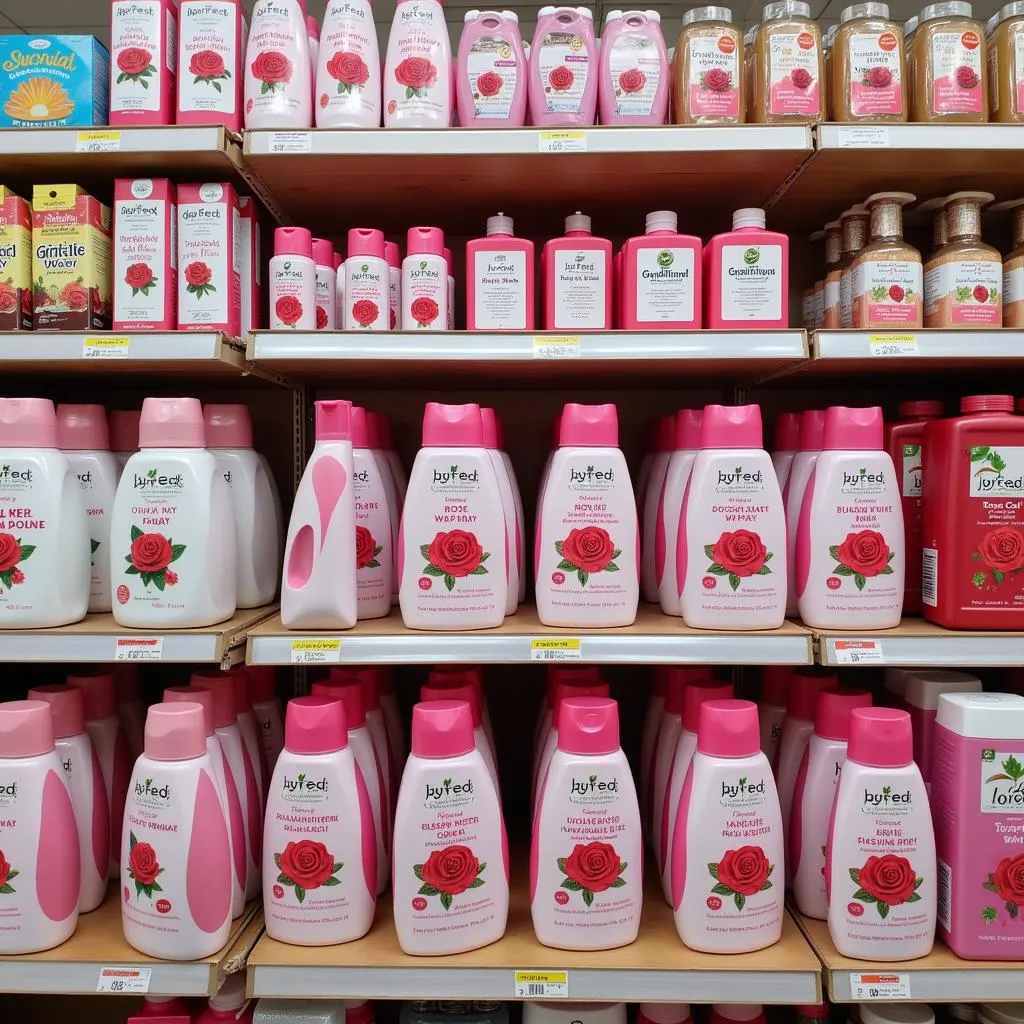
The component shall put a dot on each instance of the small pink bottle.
(451, 288)
(563, 69)
(229, 1005)
(499, 279)
(661, 278)
(746, 283)
(577, 273)
(491, 71)
(633, 86)
(143, 39)
(393, 256)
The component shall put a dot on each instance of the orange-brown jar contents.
(788, 66)
(868, 66)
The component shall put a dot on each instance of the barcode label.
(944, 883)
(542, 984)
(562, 648)
(930, 577)
(858, 652)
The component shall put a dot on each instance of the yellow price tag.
(549, 346)
(316, 652)
(556, 648)
(102, 347)
(893, 344)
(562, 142)
(542, 984)
(98, 141)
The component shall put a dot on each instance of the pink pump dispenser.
(564, 69)
(633, 87)
(499, 279)
(491, 71)
(661, 277)
(577, 275)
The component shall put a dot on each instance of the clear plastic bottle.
(867, 66)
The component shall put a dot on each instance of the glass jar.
(708, 73)
(868, 67)
(788, 66)
(950, 73)
(1005, 57)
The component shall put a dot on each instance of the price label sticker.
(291, 142)
(562, 142)
(886, 987)
(556, 648)
(893, 344)
(138, 648)
(863, 138)
(556, 347)
(858, 652)
(98, 141)
(542, 985)
(103, 347)
(124, 980)
(316, 652)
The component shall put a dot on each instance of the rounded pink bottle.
(563, 73)
(491, 71)
(633, 86)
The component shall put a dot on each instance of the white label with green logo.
(1002, 783)
(751, 282)
(664, 285)
(996, 472)
(911, 475)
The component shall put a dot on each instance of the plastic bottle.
(570, 850)
(240, 676)
(160, 1009)
(663, 1013)
(586, 566)
(391, 711)
(175, 846)
(418, 89)
(513, 545)
(393, 256)
(481, 738)
(816, 783)
(366, 282)
(277, 89)
(318, 590)
(499, 279)
(229, 1005)
(729, 782)
(661, 282)
(124, 434)
(446, 776)
(732, 484)
(633, 80)
(563, 1012)
(424, 288)
(576, 270)
(375, 439)
(576, 675)
(921, 693)
(771, 706)
(670, 506)
(517, 506)
(451, 287)
(453, 578)
(867, 865)
(785, 438)
(374, 529)
(39, 860)
(812, 426)
(492, 72)
(211, 41)
(45, 521)
(849, 546)
(648, 738)
(325, 291)
(746, 282)
(292, 277)
(348, 87)
(266, 709)
(737, 1013)
(82, 435)
(564, 68)
(650, 480)
(339, 289)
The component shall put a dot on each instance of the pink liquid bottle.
(633, 84)
(499, 279)
(661, 272)
(563, 68)
(491, 70)
(577, 274)
(229, 1005)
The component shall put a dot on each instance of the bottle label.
(913, 457)
(500, 291)
(137, 55)
(1018, 71)
(206, 232)
(564, 66)
(846, 299)
(956, 73)
(275, 81)
(794, 67)
(209, 45)
(714, 76)
(832, 313)
(581, 283)
(1013, 297)
(325, 298)
(98, 512)
(664, 284)
(373, 535)
(875, 74)
(143, 254)
(493, 75)
(425, 296)
(886, 292)
(288, 286)
(343, 74)
(22, 533)
(751, 282)
(417, 89)
(366, 288)
(964, 292)
(634, 66)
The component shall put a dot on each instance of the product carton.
(15, 262)
(251, 261)
(209, 256)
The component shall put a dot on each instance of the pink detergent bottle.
(491, 72)
(563, 69)
(499, 279)
(159, 1009)
(661, 276)
(649, 480)
(577, 273)
(633, 85)
(229, 1005)
(808, 446)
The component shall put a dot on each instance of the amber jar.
(1005, 56)
(707, 81)
(788, 70)
(868, 67)
(950, 73)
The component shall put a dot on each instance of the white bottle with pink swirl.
(418, 68)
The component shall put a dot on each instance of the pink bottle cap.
(832, 714)
(499, 430)
(350, 694)
(986, 403)
(921, 409)
(222, 686)
(677, 678)
(393, 255)
(66, 708)
(457, 675)
(368, 680)
(333, 420)
(588, 725)
(124, 429)
(373, 434)
(731, 426)
(489, 423)
(661, 434)
(175, 731)
(663, 1013)
(775, 685)
(442, 728)
(424, 242)
(239, 677)
(787, 431)
(687, 429)
(262, 683)
(99, 699)
(880, 738)
(466, 692)
(452, 426)
(588, 426)
(728, 728)
(812, 430)
(738, 1013)
(27, 423)
(571, 690)
(172, 423)
(323, 253)
(195, 695)
(228, 426)
(804, 686)
(82, 428)
(849, 429)
(699, 693)
(26, 728)
(366, 242)
(315, 725)
(357, 421)
(293, 242)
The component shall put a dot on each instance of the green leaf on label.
(623, 864)
(763, 571)
(26, 551)
(94, 546)
(426, 889)
(978, 579)
(618, 883)
(132, 841)
(283, 879)
(859, 580)
(572, 885)
(480, 570)
(739, 899)
(433, 570)
(918, 883)
(721, 889)
(582, 577)
(131, 571)
(767, 885)
(449, 581)
(717, 570)
(980, 453)
(997, 462)
(834, 551)
(476, 883)
(611, 567)
(136, 533)
(417, 870)
(277, 857)
(300, 893)
(883, 909)
(734, 580)
(566, 564)
(6, 889)
(989, 914)
(1013, 768)
(887, 571)
(713, 870)
(558, 546)
(423, 551)
(446, 900)
(976, 555)
(158, 580)
(485, 556)
(177, 550)
(561, 862)
(588, 897)
(709, 551)
(864, 896)
(616, 552)
(914, 897)
(332, 881)
(855, 875)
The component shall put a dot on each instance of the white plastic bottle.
(291, 278)
(727, 851)
(648, 738)
(482, 739)
(880, 866)
(586, 553)
(649, 481)
(326, 285)
(241, 676)
(85, 784)
(578, 675)
(517, 505)
(730, 553)
(367, 282)
(508, 507)
(318, 590)
(42, 518)
(375, 549)
(418, 89)
(172, 532)
(784, 445)
(348, 86)
(319, 881)
(339, 289)
(574, 849)
(462, 877)
(424, 271)
(451, 288)
(83, 437)
(375, 425)
(812, 423)
(816, 783)
(39, 859)
(252, 492)
(175, 851)
(393, 256)
(266, 709)
(277, 92)
(454, 558)
(669, 505)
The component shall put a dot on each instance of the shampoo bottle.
(563, 69)
(291, 278)
(240, 676)
(812, 426)
(374, 528)
(124, 435)
(650, 479)
(492, 71)
(418, 89)
(577, 276)
(367, 287)
(386, 462)
(424, 275)
(347, 87)
(482, 739)
(393, 255)
(771, 706)
(499, 279)
(266, 709)
(277, 89)
(326, 285)
(579, 676)
(633, 82)
(229, 1005)
(786, 436)
(517, 505)
(513, 546)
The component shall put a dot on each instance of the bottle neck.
(833, 247)
(1018, 227)
(886, 222)
(939, 230)
(855, 234)
(963, 222)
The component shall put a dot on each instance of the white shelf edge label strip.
(138, 648)
(316, 652)
(884, 987)
(124, 980)
(542, 984)
(893, 345)
(858, 652)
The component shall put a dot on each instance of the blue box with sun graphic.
(53, 81)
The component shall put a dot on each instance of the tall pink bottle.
(577, 275)
(660, 283)
(808, 447)
(266, 709)
(499, 279)
(563, 69)
(633, 85)
(241, 677)
(143, 40)
(650, 478)
(784, 442)
(491, 71)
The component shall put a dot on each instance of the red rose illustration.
(594, 866)
(741, 552)
(896, 293)
(801, 78)
(392, 319)
(632, 80)
(151, 552)
(980, 293)
(133, 61)
(198, 273)
(590, 549)
(865, 553)
(878, 78)
(745, 870)
(450, 871)
(457, 553)
(74, 295)
(367, 549)
(272, 68)
(324, 100)
(489, 83)
(1002, 549)
(348, 69)
(365, 312)
(424, 311)
(6, 874)
(170, 577)
(8, 298)
(307, 864)
(717, 80)
(207, 64)
(561, 77)
(889, 880)
(416, 74)
(288, 309)
(138, 275)
(321, 318)
(966, 77)
(250, 103)
(142, 864)
(17, 577)
(1008, 880)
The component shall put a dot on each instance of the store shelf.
(653, 639)
(74, 967)
(100, 638)
(655, 967)
(522, 171)
(940, 977)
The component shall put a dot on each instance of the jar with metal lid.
(708, 79)
(950, 75)
(1006, 64)
(868, 67)
(788, 71)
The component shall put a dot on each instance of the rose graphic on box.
(139, 277)
(135, 64)
(365, 312)
(349, 70)
(741, 873)
(273, 69)
(489, 83)
(367, 549)
(13, 552)
(198, 278)
(7, 874)
(208, 68)
(738, 554)
(592, 868)
(74, 295)
(862, 555)
(143, 867)
(288, 309)
(306, 865)
(887, 882)
(424, 309)
(151, 555)
(417, 74)
(453, 555)
(449, 872)
(586, 551)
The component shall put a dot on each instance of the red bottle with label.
(973, 517)
(903, 443)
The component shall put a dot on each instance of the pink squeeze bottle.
(491, 71)
(650, 479)
(229, 1005)
(563, 74)
(808, 446)
(633, 85)
(771, 706)
(660, 280)
(786, 435)
(499, 279)
(584, 674)
(577, 275)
